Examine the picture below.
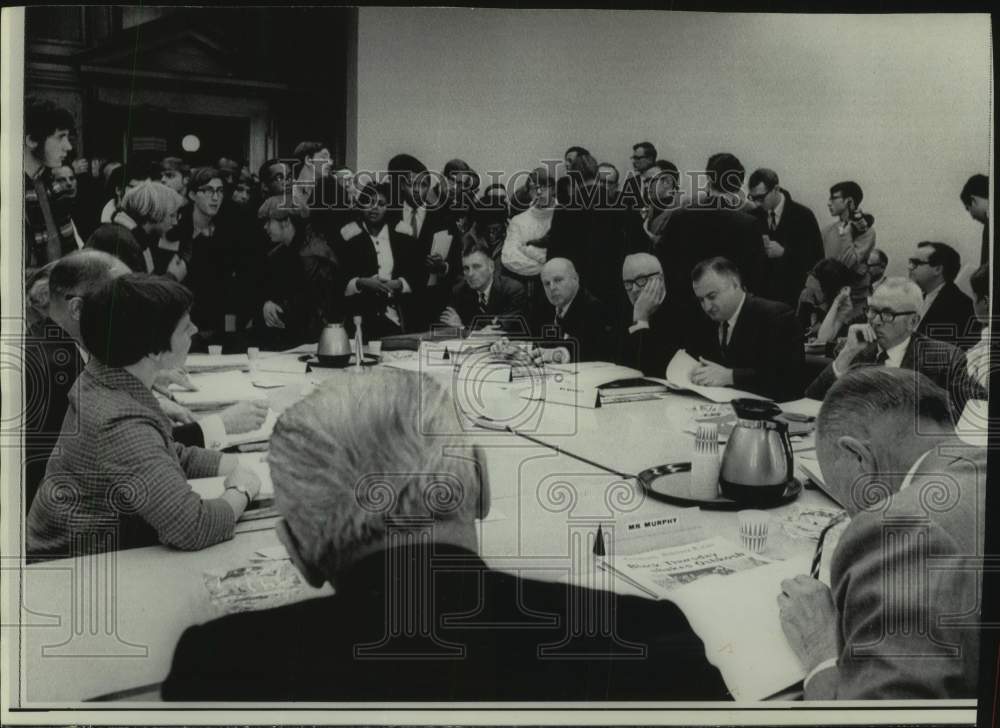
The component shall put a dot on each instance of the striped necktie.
(818, 554)
(724, 340)
(482, 303)
(774, 221)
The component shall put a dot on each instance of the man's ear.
(313, 576)
(485, 496)
(30, 143)
(75, 307)
(861, 451)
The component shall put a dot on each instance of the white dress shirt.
(386, 261)
(518, 257)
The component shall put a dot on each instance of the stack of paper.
(217, 390)
(216, 362)
(261, 434)
(209, 488)
(679, 376)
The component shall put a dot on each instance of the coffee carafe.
(757, 464)
(333, 343)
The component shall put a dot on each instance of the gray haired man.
(387, 514)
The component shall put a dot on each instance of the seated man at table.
(61, 354)
(901, 620)
(117, 479)
(417, 614)
(484, 300)
(746, 342)
(652, 337)
(573, 316)
(889, 339)
(946, 313)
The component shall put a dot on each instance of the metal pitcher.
(333, 343)
(757, 465)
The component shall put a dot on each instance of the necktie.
(882, 358)
(774, 221)
(818, 554)
(482, 303)
(724, 339)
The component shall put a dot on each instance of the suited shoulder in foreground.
(417, 615)
(902, 618)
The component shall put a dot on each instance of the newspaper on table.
(253, 586)
(727, 594)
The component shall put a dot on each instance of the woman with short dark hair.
(117, 479)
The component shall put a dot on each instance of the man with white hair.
(573, 316)
(653, 337)
(417, 614)
(901, 617)
(889, 339)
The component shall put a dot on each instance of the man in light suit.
(417, 614)
(901, 617)
(889, 339)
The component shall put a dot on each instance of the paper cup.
(705, 476)
(215, 349)
(754, 526)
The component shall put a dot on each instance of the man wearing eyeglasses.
(790, 235)
(206, 237)
(946, 313)
(889, 339)
(653, 337)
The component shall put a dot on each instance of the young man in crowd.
(48, 226)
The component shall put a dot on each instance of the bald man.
(573, 318)
(652, 337)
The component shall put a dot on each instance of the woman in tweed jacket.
(116, 478)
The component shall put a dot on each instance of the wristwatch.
(242, 489)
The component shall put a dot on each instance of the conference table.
(104, 626)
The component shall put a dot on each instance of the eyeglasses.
(759, 198)
(917, 262)
(884, 315)
(212, 191)
(638, 281)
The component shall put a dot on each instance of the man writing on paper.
(573, 316)
(653, 336)
(417, 614)
(484, 301)
(901, 617)
(747, 342)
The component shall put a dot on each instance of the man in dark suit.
(975, 196)
(596, 230)
(579, 324)
(747, 342)
(484, 300)
(652, 337)
(900, 619)
(792, 241)
(55, 357)
(947, 313)
(889, 339)
(714, 224)
(383, 267)
(440, 248)
(417, 614)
